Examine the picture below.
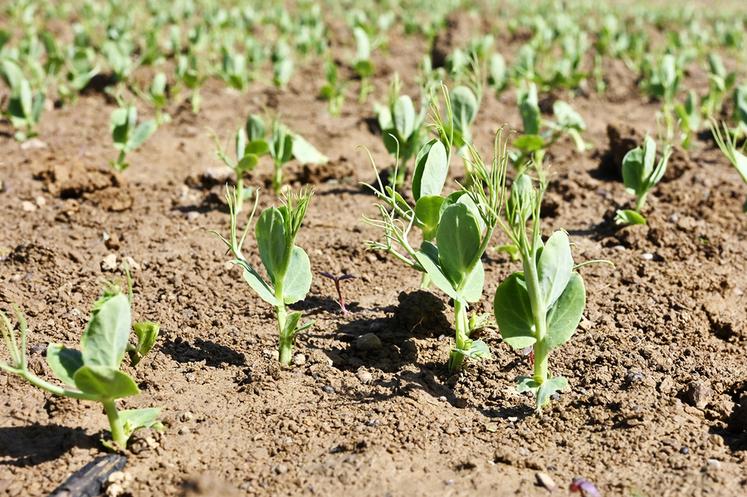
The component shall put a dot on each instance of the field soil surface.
(369, 408)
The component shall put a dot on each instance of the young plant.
(362, 64)
(127, 134)
(719, 84)
(333, 90)
(337, 280)
(401, 128)
(641, 172)
(24, 105)
(540, 306)
(540, 134)
(190, 75)
(282, 64)
(286, 264)
(93, 373)
(689, 116)
(727, 143)
(247, 154)
(284, 146)
(233, 68)
(158, 98)
(456, 232)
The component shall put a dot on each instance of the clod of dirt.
(322, 173)
(208, 485)
(697, 394)
(421, 313)
(621, 138)
(368, 343)
(738, 419)
(727, 316)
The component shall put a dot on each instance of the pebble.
(368, 343)
(713, 463)
(109, 263)
(185, 416)
(33, 144)
(192, 216)
(698, 394)
(299, 359)
(271, 354)
(646, 256)
(40, 201)
(544, 480)
(28, 206)
(328, 389)
(364, 376)
(183, 430)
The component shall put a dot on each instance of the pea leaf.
(431, 168)
(458, 240)
(427, 259)
(564, 316)
(105, 382)
(272, 242)
(105, 339)
(135, 419)
(513, 312)
(305, 153)
(472, 291)
(554, 267)
(64, 362)
(404, 116)
(297, 281)
(259, 285)
(428, 214)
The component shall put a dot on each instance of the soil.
(658, 367)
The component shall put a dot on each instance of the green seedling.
(690, 119)
(401, 128)
(456, 230)
(24, 105)
(284, 146)
(286, 264)
(247, 153)
(362, 64)
(127, 134)
(282, 64)
(233, 68)
(119, 57)
(497, 73)
(158, 97)
(540, 134)
(727, 143)
(190, 75)
(540, 306)
(333, 90)
(720, 84)
(740, 111)
(94, 372)
(641, 172)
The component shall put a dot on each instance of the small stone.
(368, 343)
(666, 385)
(130, 263)
(192, 216)
(364, 376)
(40, 201)
(685, 450)
(33, 144)
(698, 394)
(281, 469)
(544, 480)
(183, 430)
(111, 241)
(185, 416)
(271, 354)
(647, 256)
(299, 359)
(28, 206)
(714, 464)
(109, 263)
(328, 389)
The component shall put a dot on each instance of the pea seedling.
(541, 306)
(456, 232)
(24, 105)
(641, 173)
(362, 64)
(93, 373)
(286, 264)
(127, 134)
(333, 90)
(727, 143)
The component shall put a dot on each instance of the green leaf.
(305, 153)
(431, 168)
(272, 241)
(472, 291)
(529, 143)
(105, 339)
(428, 214)
(64, 362)
(255, 129)
(246, 164)
(434, 271)
(527, 384)
(104, 382)
(530, 111)
(257, 283)
(564, 316)
(549, 387)
(404, 116)
(147, 334)
(257, 147)
(477, 349)
(464, 106)
(629, 217)
(554, 267)
(141, 133)
(566, 117)
(136, 419)
(291, 322)
(513, 312)
(458, 240)
(297, 280)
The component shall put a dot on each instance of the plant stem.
(461, 325)
(539, 314)
(425, 282)
(239, 193)
(285, 345)
(277, 178)
(640, 202)
(54, 389)
(115, 424)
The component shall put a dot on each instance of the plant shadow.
(35, 444)
(214, 354)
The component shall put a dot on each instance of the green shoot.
(127, 134)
